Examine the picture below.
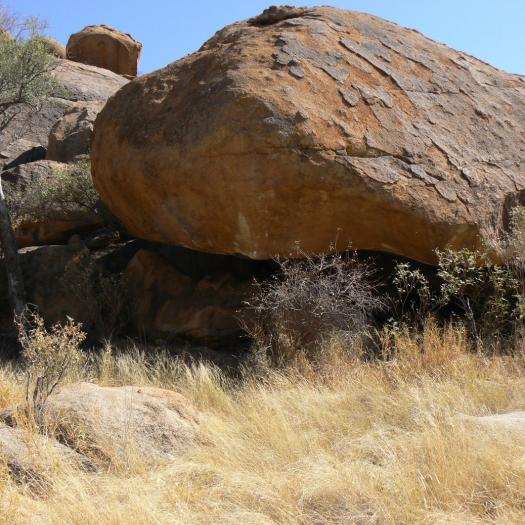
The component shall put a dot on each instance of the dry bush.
(308, 301)
(17, 26)
(48, 357)
(25, 67)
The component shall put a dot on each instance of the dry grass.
(346, 442)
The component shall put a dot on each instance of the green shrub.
(488, 296)
(25, 75)
(69, 190)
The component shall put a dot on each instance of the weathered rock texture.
(76, 82)
(153, 423)
(168, 303)
(315, 126)
(106, 47)
(70, 137)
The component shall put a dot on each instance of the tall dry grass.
(343, 442)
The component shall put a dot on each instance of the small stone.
(301, 115)
(446, 191)
(351, 97)
(296, 72)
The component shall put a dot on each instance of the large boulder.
(71, 136)
(115, 422)
(106, 47)
(316, 126)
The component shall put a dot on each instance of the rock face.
(168, 303)
(106, 47)
(318, 126)
(77, 82)
(84, 82)
(71, 136)
(21, 151)
(71, 280)
(114, 421)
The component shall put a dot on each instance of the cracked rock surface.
(316, 126)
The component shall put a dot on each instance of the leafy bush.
(488, 296)
(69, 190)
(25, 69)
(308, 301)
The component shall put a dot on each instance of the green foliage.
(52, 46)
(413, 301)
(69, 190)
(25, 76)
(489, 297)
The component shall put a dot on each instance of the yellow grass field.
(349, 442)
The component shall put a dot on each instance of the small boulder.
(112, 422)
(71, 136)
(506, 422)
(29, 457)
(106, 47)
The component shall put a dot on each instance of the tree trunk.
(15, 282)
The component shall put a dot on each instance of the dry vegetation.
(359, 422)
(344, 441)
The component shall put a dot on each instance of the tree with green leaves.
(25, 82)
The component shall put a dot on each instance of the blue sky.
(169, 29)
